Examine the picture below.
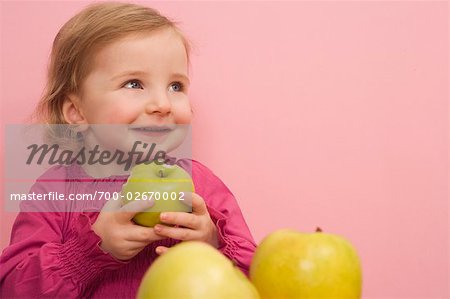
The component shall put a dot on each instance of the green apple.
(290, 264)
(195, 270)
(167, 185)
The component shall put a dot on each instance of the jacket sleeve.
(52, 254)
(235, 239)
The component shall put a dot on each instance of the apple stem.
(318, 230)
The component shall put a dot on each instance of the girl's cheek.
(120, 114)
(183, 113)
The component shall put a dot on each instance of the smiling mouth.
(152, 130)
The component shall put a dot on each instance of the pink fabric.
(56, 254)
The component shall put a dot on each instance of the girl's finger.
(161, 250)
(139, 233)
(112, 205)
(131, 249)
(136, 245)
(127, 211)
(181, 219)
(196, 202)
(177, 233)
(198, 205)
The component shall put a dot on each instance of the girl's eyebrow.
(183, 76)
(142, 73)
(129, 73)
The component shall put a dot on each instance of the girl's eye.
(176, 86)
(133, 84)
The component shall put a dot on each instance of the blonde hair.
(95, 26)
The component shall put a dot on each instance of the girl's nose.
(158, 104)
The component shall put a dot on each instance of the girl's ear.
(71, 110)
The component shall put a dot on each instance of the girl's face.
(138, 86)
(140, 80)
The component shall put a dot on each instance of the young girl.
(115, 63)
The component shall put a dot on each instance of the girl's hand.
(121, 237)
(192, 226)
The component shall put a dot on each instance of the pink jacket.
(57, 255)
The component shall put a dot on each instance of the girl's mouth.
(153, 131)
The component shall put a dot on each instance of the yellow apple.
(195, 270)
(167, 185)
(290, 264)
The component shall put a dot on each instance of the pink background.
(330, 114)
